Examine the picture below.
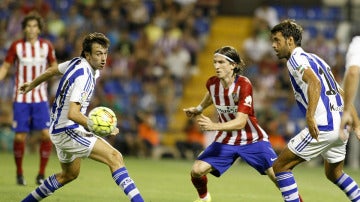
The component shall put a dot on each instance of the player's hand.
(357, 132)
(346, 119)
(115, 131)
(346, 122)
(205, 123)
(24, 88)
(313, 129)
(191, 112)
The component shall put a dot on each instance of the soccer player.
(351, 82)
(68, 127)
(32, 56)
(237, 132)
(319, 97)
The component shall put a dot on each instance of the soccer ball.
(101, 121)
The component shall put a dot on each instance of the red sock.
(19, 149)
(200, 183)
(45, 151)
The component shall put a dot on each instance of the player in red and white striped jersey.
(31, 56)
(237, 131)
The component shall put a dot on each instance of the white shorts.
(330, 146)
(72, 144)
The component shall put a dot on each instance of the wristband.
(199, 108)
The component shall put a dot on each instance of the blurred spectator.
(265, 12)
(6, 132)
(149, 136)
(193, 142)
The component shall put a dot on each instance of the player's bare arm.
(313, 95)
(76, 115)
(349, 119)
(194, 111)
(50, 72)
(4, 70)
(238, 123)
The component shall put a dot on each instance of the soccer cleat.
(39, 179)
(20, 180)
(206, 199)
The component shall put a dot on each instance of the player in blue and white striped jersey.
(320, 99)
(69, 124)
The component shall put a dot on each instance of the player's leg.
(283, 166)
(199, 171)
(40, 122)
(45, 152)
(21, 114)
(211, 161)
(334, 172)
(105, 153)
(70, 171)
(19, 150)
(334, 164)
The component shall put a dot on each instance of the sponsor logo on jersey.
(226, 109)
(248, 101)
(334, 108)
(235, 97)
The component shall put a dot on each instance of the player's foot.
(20, 180)
(206, 199)
(39, 179)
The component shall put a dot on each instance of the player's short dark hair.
(289, 28)
(232, 53)
(33, 16)
(92, 38)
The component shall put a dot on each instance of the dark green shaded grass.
(165, 181)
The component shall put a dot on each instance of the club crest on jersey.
(235, 97)
(248, 101)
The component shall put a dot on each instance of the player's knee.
(20, 137)
(116, 159)
(197, 171)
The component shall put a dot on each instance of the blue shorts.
(259, 155)
(31, 116)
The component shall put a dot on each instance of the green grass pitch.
(165, 181)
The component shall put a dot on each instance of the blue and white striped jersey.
(330, 106)
(76, 85)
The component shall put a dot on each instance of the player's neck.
(227, 82)
(31, 40)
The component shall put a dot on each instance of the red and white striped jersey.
(30, 61)
(228, 101)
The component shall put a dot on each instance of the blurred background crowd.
(154, 52)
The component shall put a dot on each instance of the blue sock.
(288, 186)
(122, 179)
(49, 186)
(349, 186)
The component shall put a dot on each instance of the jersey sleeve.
(51, 55)
(63, 66)
(245, 104)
